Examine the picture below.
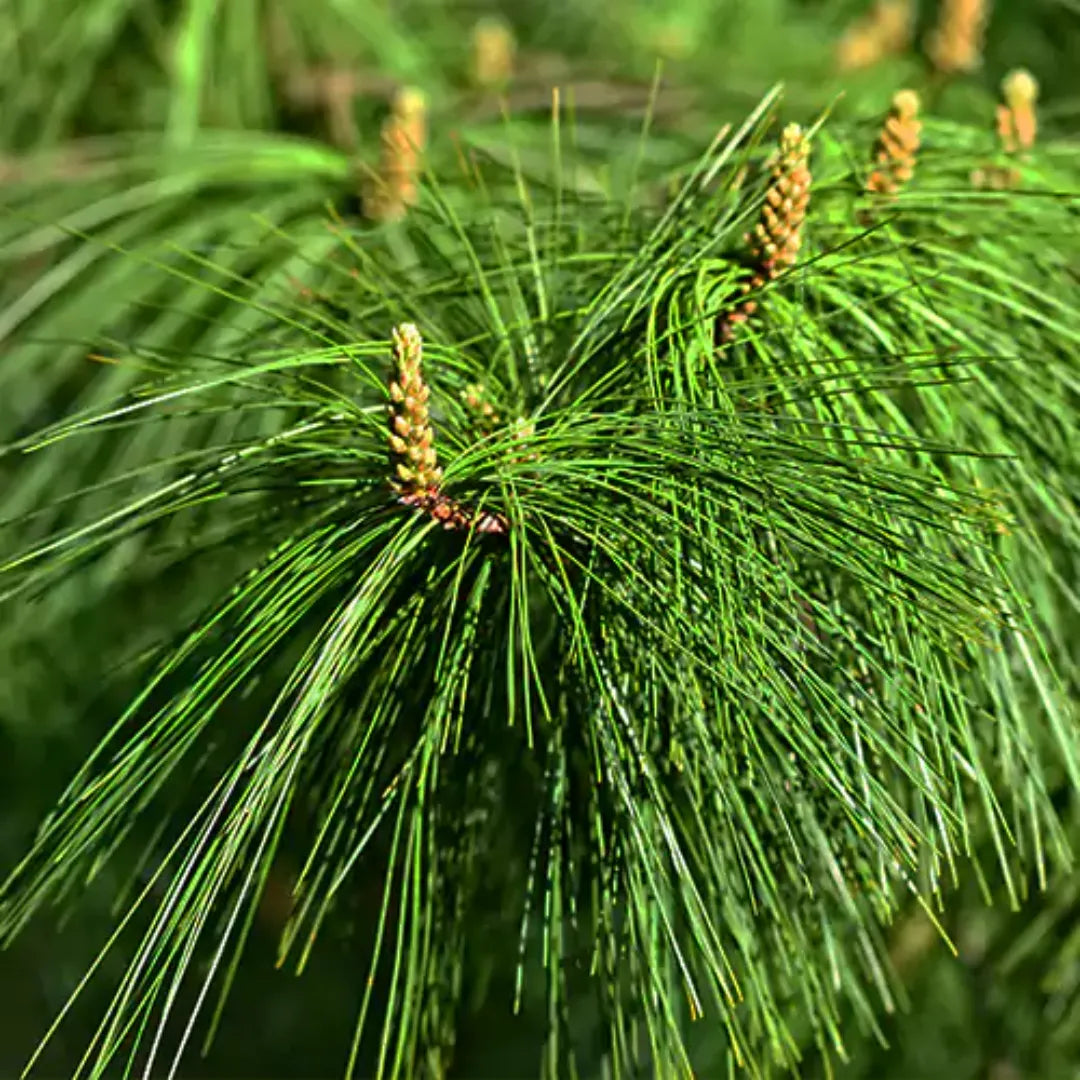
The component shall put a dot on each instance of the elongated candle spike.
(886, 30)
(412, 438)
(415, 475)
(493, 49)
(777, 238)
(1017, 128)
(955, 44)
(897, 145)
(1017, 122)
(403, 139)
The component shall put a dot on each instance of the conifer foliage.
(607, 601)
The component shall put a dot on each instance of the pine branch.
(727, 674)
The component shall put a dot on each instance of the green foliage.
(777, 643)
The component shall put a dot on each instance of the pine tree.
(611, 581)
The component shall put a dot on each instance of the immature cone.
(493, 48)
(885, 30)
(776, 239)
(1017, 127)
(1016, 120)
(403, 138)
(897, 145)
(955, 44)
(415, 466)
(415, 474)
(481, 408)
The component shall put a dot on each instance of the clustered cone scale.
(884, 31)
(1017, 128)
(412, 437)
(776, 240)
(897, 146)
(416, 477)
(1017, 122)
(955, 44)
(395, 186)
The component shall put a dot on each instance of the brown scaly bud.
(955, 44)
(1016, 120)
(493, 48)
(897, 145)
(477, 400)
(404, 135)
(775, 242)
(412, 438)
(886, 30)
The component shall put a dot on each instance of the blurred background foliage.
(139, 65)
(88, 85)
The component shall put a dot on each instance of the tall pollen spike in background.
(1017, 122)
(493, 52)
(897, 145)
(402, 142)
(886, 30)
(955, 44)
(416, 473)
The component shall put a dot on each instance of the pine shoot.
(404, 136)
(897, 145)
(777, 238)
(955, 44)
(1017, 122)
(885, 31)
(413, 460)
(493, 49)
(415, 475)
(1017, 128)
